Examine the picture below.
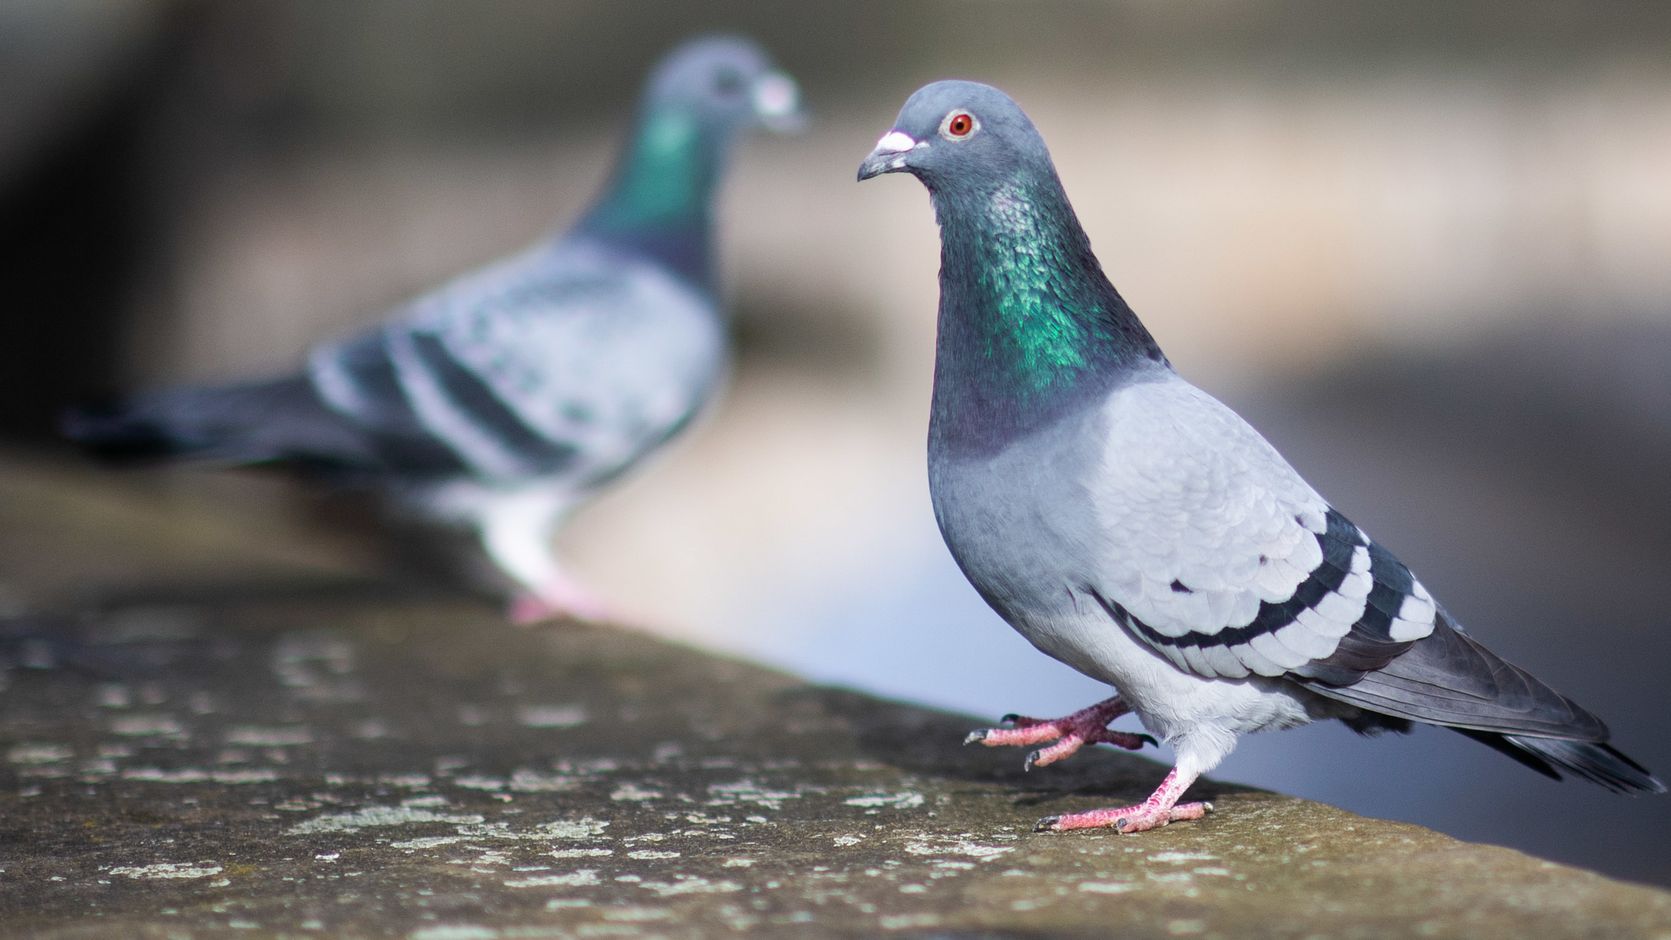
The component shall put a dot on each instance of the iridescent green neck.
(667, 173)
(1028, 322)
(1040, 323)
(659, 199)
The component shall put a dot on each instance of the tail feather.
(257, 422)
(1502, 745)
(1595, 761)
(131, 429)
(1450, 679)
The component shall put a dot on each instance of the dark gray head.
(723, 82)
(959, 134)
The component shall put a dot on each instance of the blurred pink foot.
(1086, 726)
(1160, 808)
(558, 599)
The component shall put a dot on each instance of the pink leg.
(560, 597)
(1086, 726)
(1160, 808)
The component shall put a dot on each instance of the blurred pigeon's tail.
(244, 423)
(127, 429)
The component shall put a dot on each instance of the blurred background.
(1426, 247)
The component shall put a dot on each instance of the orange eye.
(958, 125)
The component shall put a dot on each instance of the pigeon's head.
(725, 83)
(957, 133)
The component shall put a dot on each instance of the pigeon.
(1133, 527)
(503, 400)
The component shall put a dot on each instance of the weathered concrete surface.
(317, 766)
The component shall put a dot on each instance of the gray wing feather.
(1448, 678)
(567, 360)
(1207, 507)
(1217, 554)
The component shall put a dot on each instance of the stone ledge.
(309, 766)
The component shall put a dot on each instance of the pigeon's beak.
(777, 103)
(889, 155)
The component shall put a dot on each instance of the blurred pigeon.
(1135, 528)
(506, 398)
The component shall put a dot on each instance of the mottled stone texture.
(295, 763)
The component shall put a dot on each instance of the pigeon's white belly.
(1025, 535)
(1172, 703)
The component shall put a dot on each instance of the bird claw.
(1128, 740)
(1068, 735)
(1086, 726)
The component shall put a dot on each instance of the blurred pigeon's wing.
(1218, 555)
(568, 360)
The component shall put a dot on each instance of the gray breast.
(1018, 522)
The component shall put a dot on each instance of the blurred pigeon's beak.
(777, 103)
(889, 155)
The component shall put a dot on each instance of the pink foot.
(1160, 808)
(1124, 819)
(560, 599)
(1086, 726)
